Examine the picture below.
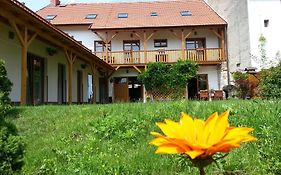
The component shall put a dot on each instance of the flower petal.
(169, 149)
(195, 153)
(219, 130)
(187, 127)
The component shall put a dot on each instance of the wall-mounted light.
(11, 35)
(84, 66)
(127, 71)
(51, 51)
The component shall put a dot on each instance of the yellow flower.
(199, 139)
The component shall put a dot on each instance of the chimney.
(54, 2)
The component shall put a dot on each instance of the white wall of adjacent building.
(260, 11)
(10, 52)
(238, 40)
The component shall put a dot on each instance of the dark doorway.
(135, 89)
(192, 89)
(79, 87)
(61, 84)
(35, 79)
(103, 88)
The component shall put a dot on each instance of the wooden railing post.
(145, 46)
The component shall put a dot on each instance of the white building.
(44, 64)
(129, 35)
(247, 21)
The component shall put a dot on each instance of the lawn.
(113, 139)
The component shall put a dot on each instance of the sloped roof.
(138, 14)
(27, 16)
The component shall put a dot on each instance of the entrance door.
(35, 79)
(121, 91)
(79, 87)
(103, 88)
(135, 89)
(61, 84)
(197, 84)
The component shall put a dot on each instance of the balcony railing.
(166, 56)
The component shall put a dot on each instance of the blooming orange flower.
(199, 139)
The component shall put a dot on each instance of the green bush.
(5, 84)
(270, 86)
(11, 149)
(163, 78)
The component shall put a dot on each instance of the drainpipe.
(226, 54)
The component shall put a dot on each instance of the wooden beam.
(94, 81)
(223, 43)
(145, 46)
(217, 34)
(18, 33)
(71, 57)
(187, 35)
(175, 34)
(137, 69)
(104, 40)
(138, 35)
(31, 39)
(150, 35)
(117, 67)
(182, 45)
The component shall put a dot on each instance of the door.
(61, 84)
(131, 51)
(193, 89)
(35, 79)
(103, 88)
(135, 89)
(121, 91)
(79, 87)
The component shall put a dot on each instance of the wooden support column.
(25, 41)
(182, 45)
(223, 44)
(145, 47)
(94, 82)
(70, 60)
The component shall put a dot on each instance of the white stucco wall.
(260, 10)
(235, 13)
(10, 51)
(213, 77)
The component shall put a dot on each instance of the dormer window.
(185, 13)
(50, 17)
(91, 16)
(122, 15)
(153, 14)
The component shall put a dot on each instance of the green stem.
(202, 171)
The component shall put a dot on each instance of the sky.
(38, 4)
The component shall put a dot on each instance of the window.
(185, 13)
(100, 46)
(160, 43)
(195, 43)
(202, 80)
(91, 16)
(131, 45)
(50, 17)
(153, 14)
(122, 15)
(266, 22)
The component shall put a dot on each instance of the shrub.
(246, 85)
(163, 78)
(5, 84)
(270, 85)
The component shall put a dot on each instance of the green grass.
(113, 139)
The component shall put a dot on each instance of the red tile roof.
(138, 14)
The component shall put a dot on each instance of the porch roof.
(139, 14)
(12, 10)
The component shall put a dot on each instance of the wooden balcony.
(201, 56)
